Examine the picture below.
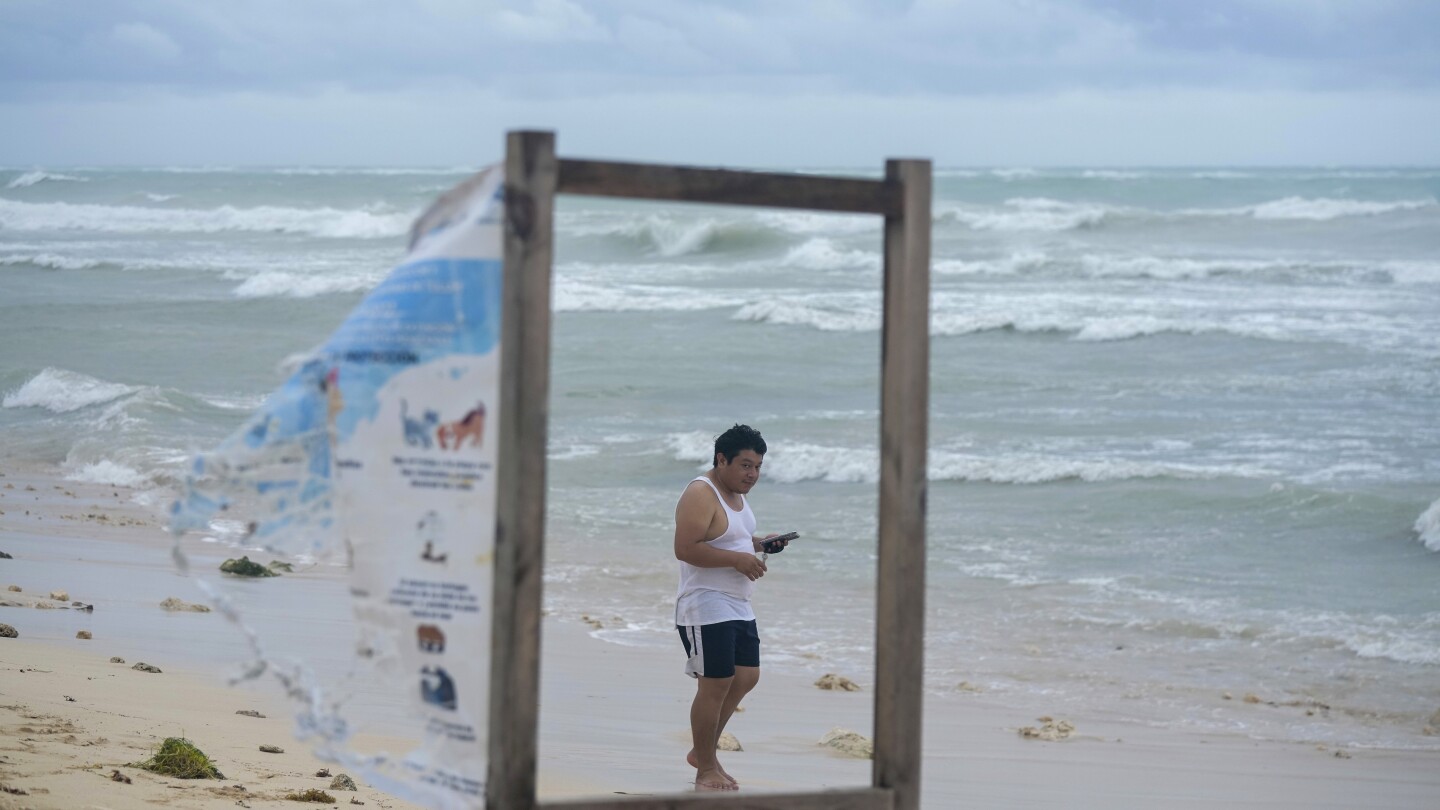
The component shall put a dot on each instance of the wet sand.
(613, 718)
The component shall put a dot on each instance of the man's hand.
(749, 565)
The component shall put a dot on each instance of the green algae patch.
(244, 567)
(178, 757)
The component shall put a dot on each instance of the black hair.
(738, 438)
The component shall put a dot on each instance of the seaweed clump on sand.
(178, 757)
(243, 567)
(311, 795)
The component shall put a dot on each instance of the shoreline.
(612, 717)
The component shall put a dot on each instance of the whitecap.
(294, 285)
(579, 296)
(62, 391)
(49, 261)
(1324, 208)
(108, 472)
(322, 222)
(32, 178)
(1028, 214)
(1427, 527)
(792, 313)
(820, 253)
(792, 462)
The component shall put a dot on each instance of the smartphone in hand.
(776, 544)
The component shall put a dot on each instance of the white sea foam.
(50, 261)
(820, 253)
(806, 223)
(62, 391)
(332, 223)
(1018, 262)
(297, 285)
(1028, 214)
(32, 178)
(1015, 174)
(108, 472)
(792, 462)
(152, 197)
(580, 296)
(1111, 174)
(793, 313)
(1320, 209)
(1221, 174)
(1427, 527)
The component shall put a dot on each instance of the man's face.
(739, 474)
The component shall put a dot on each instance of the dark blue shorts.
(714, 650)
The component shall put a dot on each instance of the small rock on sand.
(250, 713)
(3, 555)
(1251, 698)
(6, 631)
(272, 749)
(85, 634)
(1051, 731)
(144, 667)
(838, 683)
(48, 606)
(728, 742)
(115, 659)
(15, 588)
(849, 742)
(173, 604)
(60, 596)
(342, 782)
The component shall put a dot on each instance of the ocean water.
(1184, 422)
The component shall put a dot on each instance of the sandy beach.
(613, 717)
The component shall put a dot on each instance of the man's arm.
(692, 520)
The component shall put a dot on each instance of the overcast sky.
(745, 82)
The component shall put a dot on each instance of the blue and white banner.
(381, 449)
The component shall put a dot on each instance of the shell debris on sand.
(1051, 730)
(60, 596)
(837, 683)
(6, 631)
(84, 634)
(849, 742)
(728, 742)
(144, 667)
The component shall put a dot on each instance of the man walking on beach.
(715, 542)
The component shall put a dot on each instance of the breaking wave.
(1427, 527)
(61, 391)
(49, 261)
(331, 223)
(296, 285)
(1319, 209)
(793, 462)
(1028, 214)
(33, 178)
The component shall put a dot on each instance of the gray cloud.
(708, 66)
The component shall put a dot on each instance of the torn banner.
(382, 449)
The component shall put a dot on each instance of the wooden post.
(531, 171)
(904, 412)
(533, 175)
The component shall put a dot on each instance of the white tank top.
(712, 595)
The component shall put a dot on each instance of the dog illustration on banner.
(470, 427)
(468, 430)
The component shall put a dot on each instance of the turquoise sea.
(1184, 421)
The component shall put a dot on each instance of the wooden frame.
(533, 176)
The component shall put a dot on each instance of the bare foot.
(712, 780)
(695, 763)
